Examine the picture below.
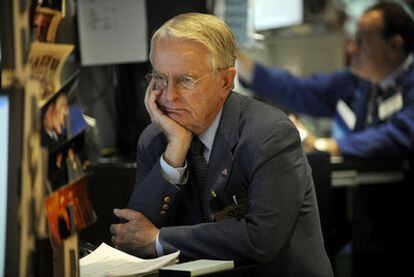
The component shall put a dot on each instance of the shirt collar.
(390, 79)
(207, 137)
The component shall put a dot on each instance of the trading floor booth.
(109, 97)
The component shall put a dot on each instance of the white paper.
(108, 261)
(112, 31)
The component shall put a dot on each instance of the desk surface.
(238, 271)
(347, 172)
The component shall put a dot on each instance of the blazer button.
(163, 212)
(167, 199)
(165, 206)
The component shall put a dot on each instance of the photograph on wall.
(46, 23)
(60, 120)
(46, 61)
(69, 211)
(67, 164)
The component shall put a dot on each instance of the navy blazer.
(256, 157)
(318, 95)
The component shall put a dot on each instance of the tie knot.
(197, 147)
(377, 90)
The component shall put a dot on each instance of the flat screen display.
(4, 148)
(272, 14)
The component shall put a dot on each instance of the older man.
(219, 175)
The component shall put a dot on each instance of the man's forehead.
(183, 42)
(371, 21)
(184, 56)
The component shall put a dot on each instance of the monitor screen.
(272, 14)
(4, 139)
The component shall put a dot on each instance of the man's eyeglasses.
(185, 83)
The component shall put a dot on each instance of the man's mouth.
(169, 110)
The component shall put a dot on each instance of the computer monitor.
(10, 157)
(272, 14)
(4, 154)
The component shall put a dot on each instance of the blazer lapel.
(221, 158)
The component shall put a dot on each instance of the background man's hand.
(137, 236)
(306, 136)
(310, 142)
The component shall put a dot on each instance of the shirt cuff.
(158, 247)
(172, 174)
(303, 134)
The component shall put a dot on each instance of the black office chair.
(336, 228)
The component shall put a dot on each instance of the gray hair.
(207, 29)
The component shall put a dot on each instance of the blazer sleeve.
(393, 138)
(151, 190)
(280, 190)
(315, 95)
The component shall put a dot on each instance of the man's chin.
(360, 72)
(184, 123)
(175, 116)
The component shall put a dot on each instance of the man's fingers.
(154, 110)
(114, 229)
(147, 94)
(118, 234)
(127, 214)
(150, 99)
(114, 241)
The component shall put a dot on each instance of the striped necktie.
(372, 108)
(199, 164)
(199, 171)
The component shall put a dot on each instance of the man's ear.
(228, 78)
(396, 43)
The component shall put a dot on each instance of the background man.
(372, 102)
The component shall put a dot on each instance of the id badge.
(346, 114)
(390, 106)
(237, 210)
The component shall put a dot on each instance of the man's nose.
(171, 91)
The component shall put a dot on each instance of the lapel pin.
(225, 172)
(235, 200)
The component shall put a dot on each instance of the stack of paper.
(196, 268)
(108, 261)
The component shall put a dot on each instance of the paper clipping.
(46, 23)
(46, 62)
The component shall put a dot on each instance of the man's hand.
(306, 136)
(311, 142)
(179, 138)
(137, 236)
(327, 145)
